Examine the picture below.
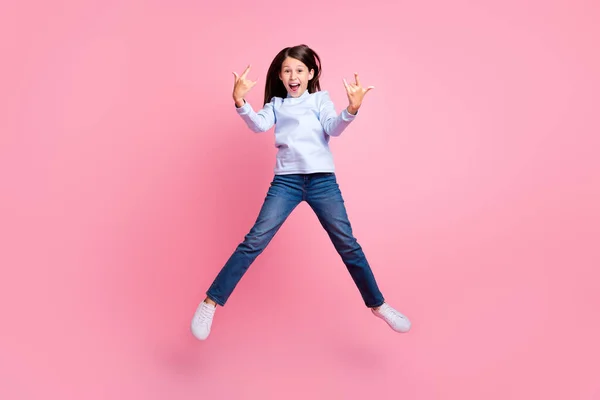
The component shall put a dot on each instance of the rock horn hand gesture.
(241, 86)
(355, 93)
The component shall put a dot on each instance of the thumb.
(235, 78)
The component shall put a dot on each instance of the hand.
(355, 93)
(241, 87)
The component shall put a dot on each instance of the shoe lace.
(205, 314)
(394, 312)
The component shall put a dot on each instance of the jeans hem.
(215, 299)
(378, 304)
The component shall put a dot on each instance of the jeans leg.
(282, 198)
(325, 198)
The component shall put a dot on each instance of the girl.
(305, 119)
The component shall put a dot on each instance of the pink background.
(472, 180)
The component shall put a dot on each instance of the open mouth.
(294, 87)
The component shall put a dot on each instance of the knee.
(347, 244)
(255, 241)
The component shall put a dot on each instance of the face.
(295, 76)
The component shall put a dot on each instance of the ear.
(311, 74)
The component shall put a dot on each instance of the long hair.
(274, 86)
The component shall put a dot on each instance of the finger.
(235, 77)
(346, 84)
(356, 79)
(246, 71)
(369, 88)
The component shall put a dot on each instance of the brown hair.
(275, 88)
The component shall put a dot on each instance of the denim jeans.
(323, 195)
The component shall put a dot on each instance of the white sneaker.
(395, 319)
(202, 320)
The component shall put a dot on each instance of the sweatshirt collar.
(305, 94)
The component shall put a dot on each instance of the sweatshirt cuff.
(346, 116)
(243, 110)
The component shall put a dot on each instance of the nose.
(292, 75)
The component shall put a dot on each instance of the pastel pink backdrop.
(471, 179)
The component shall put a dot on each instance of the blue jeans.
(322, 193)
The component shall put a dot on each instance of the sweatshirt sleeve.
(332, 122)
(260, 121)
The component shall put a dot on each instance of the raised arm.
(334, 124)
(260, 121)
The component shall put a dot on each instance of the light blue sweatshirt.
(303, 127)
